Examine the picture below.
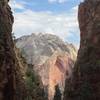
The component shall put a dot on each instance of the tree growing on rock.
(58, 94)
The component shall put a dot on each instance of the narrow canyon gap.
(84, 84)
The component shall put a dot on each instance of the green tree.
(58, 94)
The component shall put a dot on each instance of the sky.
(58, 17)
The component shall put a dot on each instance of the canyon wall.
(16, 79)
(7, 54)
(85, 81)
(12, 85)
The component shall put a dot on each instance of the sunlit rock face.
(52, 59)
(37, 48)
(85, 83)
(60, 65)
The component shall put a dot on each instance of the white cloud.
(16, 5)
(58, 1)
(28, 22)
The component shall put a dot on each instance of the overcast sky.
(57, 17)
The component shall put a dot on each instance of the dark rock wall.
(7, 55)
(85, 83)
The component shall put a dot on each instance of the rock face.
(51, 58)
(37, 48)
(59, 63)
(28, 83)
(7, 55)
(85, 83)
(11, 80)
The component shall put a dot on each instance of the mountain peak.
(51, 58)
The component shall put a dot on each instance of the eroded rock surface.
(59, 63)
(12, 85)
(51, 58)
(7, 55)
(85, 84)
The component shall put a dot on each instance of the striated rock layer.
(58, 64)
(85, 84)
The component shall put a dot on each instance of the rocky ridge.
(50, 57)
(37, 48)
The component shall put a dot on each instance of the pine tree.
(58, 94)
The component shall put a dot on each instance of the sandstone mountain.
(85, 83)
(37, 48)
(51, 59)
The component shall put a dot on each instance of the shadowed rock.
(85, 83)
(7, 55)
